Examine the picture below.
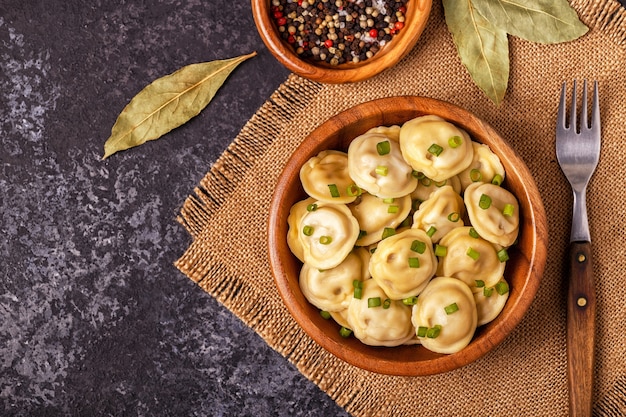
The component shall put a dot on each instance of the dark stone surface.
(94, 318)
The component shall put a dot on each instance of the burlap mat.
(526, 374)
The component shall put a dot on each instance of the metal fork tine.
(560, 118)
(583, 108)
(595, 110)
(572, 111)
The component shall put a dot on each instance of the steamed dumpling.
(374, 214)
(443, 211)
(332, 289)
(435, 147)
(494, 212)
(446, 304)
(470, 258)
(376, 165)
(490, 301)
(328, 235)
(325, 177)
(389, 324)
(296, 213)
(484, 167)
(426, 186)
(392, 132)
(403, 263)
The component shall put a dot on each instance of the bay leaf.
(542, 21)
(169, 102)
(482, 47)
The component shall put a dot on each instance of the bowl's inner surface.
(337, 133)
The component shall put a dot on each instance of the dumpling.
(426, 186)
(442, 212)
(445, 316)
(435, 147)
(377, 321)
(392, 132)
(494, 212)
(485, 166)
(296, 213)
(374, 214)
(328, 234)
(376, 165)
(325, 177)
(332, 289)
(403, 263)
(470, 258)
(490, 301)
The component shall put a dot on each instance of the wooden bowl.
(416, 17)
(523, 271)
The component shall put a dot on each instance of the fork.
(578, 151)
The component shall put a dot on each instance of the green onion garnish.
(497, 179)
(487, 291)
(388, 231)
(387, 303)
(362, 234)
(440, 184)
(358, 293)
(334, 191)
(325, 314)
(392, 209)
(307, 230)
(383, 148)
(388, 200)
(421, 331)
(433, 332)
(472, 253)
(480, 283)
(473, 233)
(503, 255)
(345, 332)
(508, 210)
(455, 141)
(373, 302)
(454, 217)
(410, 301)
(452, 308)
(475, 175)
(382, 170)
(353, 190)
(431, 231)
(502, 287)
(414, 263)
(425, 181)
(325, 240)
(311, 207)
(418, 246)
(435, 149)
(417, 174)
(357, 283)
(440, 250)
(484, 202)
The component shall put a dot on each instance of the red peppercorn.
(374, 33)
(398, 25)
(278, 14)
(328, 43)
(282, 21)
(291, 39)
(402, 9)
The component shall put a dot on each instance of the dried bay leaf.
(482, 47)
(543, 21)
(169, 102)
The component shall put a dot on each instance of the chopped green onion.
(433, 332)
(410, 301)
(473, 233)
(414, 263)
(417, 174)
(388, 231)
(502, 287)
(326, 240)
(362, 234)
(440, 250)
(358, 293)
(392, 209)
(311, 207)
(503, 255)
(334, 191)
(480, 283)
(426, 182)
(357, 283)
(382, 170)
(455, 141)
(475, 175)
(508, 210)
(484, 202)
(325, 314)
(421, 331)
(383, 148)
(373, 302)
(321, 271)
(388, 200)
(406, 222)
(387, 303)
(307, 230)
(345, 332)
(431, 231)
(440, 184)
(435, 149)
(353, 190)
(418, 246)
(452, 308)
(487, 291)
(472, 253)
(454, 217)
(497, 179)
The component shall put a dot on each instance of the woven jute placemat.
(526, 374)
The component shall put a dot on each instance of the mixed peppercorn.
(338, 31)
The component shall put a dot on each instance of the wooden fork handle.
(581, 315)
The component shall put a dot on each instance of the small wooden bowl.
(523, 271)
(416, 17)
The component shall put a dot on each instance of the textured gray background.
(94, 318)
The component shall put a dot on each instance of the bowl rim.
(532, 261)
(403, 42)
